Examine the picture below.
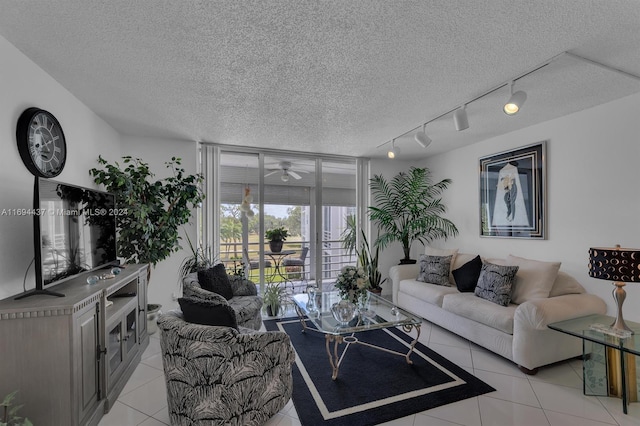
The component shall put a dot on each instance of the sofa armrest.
(537, 314)
(398, 273)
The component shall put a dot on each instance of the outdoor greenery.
(348, 236)
(152, 210)
(408, 208)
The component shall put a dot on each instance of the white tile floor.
(553, 397)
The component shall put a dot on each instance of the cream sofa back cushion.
(534, 279)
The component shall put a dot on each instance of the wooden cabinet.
(71, 356)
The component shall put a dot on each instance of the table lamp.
(620, 265)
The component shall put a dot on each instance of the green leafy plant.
(368, 260)
(199, 259)
(9, 413)
(408, 208)
(272, 297)
(348, 236)
(277, 234)
(151, 210)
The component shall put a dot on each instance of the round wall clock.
(41, 143)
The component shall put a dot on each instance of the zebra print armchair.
(221, 376)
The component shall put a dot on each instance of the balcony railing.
(334, 257)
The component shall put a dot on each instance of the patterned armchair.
(220, 376)
(245, 301)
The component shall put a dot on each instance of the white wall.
(22, 85)
(593, 174)
(164, 277)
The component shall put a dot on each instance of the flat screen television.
(74, 232)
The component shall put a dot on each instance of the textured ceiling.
(335, 77)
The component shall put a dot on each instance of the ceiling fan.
(285, 168)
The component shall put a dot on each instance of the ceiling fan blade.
(294, 174)
(272, 172)
(300, 170)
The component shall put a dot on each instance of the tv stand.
(36, 292)
(70, 357)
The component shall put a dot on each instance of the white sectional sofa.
(518, 331)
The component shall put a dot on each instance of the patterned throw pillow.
(434, 269)
(467, 275)
(495, 282)
(216, 280)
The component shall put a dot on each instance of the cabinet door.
(142, 306)
(88, 345)
(130, 339)
(114, 349)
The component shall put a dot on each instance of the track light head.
(515, 102)
(393, 152)
(460, 118)
(421, 138)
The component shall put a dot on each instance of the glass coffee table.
(380, 313)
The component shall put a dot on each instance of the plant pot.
(377, 291)
(276, 246)
(153, 312)
(273, 312)
(407, 261)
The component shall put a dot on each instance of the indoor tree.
(409, 208)
(150, 211)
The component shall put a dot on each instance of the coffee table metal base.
(335, 360)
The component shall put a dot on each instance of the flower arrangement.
(352, 283)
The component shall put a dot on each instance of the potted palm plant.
(408, 208)
(276, 237)
(200, 258)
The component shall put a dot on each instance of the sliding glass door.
(314, 198)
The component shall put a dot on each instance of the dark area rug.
(372, 386)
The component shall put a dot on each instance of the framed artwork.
(513, 193)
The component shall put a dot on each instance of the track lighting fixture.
(515, 102)
(421, 138)
(393, 152)
(460, 118)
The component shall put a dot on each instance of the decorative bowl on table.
(344, 311)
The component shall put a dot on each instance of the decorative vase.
(343, 312)
(153, 312)
(275, 246)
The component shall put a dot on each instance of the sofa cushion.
(467, 275)
(435, 269)
(215, 279)
(480, 310)
(565, 284)
(430, 251)
(534, 279)
(495, 283)
(430, 293)
(206, 312)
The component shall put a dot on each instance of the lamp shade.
(615, 264)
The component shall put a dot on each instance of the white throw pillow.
(430, 251)
(534, 279)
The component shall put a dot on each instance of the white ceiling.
(333, 77)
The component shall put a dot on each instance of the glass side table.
(609, 361)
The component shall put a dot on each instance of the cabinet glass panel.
(131, 338)
(114, 349)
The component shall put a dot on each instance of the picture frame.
(513, 193)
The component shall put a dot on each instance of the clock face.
(41, 143)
